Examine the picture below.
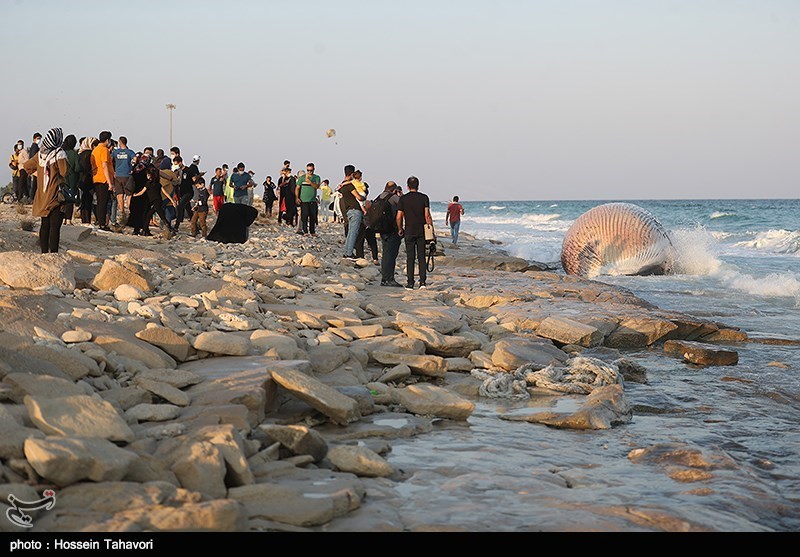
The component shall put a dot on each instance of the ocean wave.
(554, 205)
(696, 251)
(775, 241)
(496, 208)
(720, 215)
(774, 285)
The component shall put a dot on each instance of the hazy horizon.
(508, 100)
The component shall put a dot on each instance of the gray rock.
(217, 342)
(396, 374)
(303, 498)
(45, 386)
(72, 362)
(128, 293)
(163, 390)
(231, 446)
(431, 366)
(127, 397)
(360, 461)
(78, 416)
(178, 378)
(200, 467)
(76, 336)
(300, 440)
(338, 407)
(67, 460)
(13, 435)
(153, 412)
(131, 347)
(31, 270)
(428, 400)
(568, 331)
(701, 354)
(114, 274)
(510, 354)
(167, 340)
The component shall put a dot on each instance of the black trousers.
(368, 235)
(20, 185)
(415, 252)
(308, 216)
(156, 207)
(50, 231)
(390, 244)
(86, 203)
(102, 203)
(183, 208)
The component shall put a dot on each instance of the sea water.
(739, 265)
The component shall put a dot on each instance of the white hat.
(196, 158)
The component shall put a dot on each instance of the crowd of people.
(106, 184)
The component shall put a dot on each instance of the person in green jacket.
(73, 173)
(228, 189)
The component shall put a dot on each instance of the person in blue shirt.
(124, 186)
(240, 182)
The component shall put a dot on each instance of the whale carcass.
(617, 239)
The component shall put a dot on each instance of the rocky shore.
(185, 385)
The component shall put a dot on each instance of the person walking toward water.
(453, 218)
(413, 213)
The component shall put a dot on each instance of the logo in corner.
(16, 512)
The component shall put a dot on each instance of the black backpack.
(380, 217)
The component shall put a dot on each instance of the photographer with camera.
(413, 213)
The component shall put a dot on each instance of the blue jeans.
(354, 217)
(454, 230)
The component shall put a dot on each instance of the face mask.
(176, 167)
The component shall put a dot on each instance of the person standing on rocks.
(390, 240)
(50, 166)
(123, 181)
(218, 189)
(306, 191)
(352, 210)
(240, 182)
(413, 213)
(102, 177)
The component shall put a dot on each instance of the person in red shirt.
(453, 218)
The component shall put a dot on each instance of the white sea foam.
(775, 241)
(496, 208)
(721, 214)
(554, 205)
(696, 251)
(778, 285)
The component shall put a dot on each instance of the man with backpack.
(382, 218)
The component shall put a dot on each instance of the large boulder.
(569, 331)
(511, 353)
(78, 416)
(113, 274)
(31, 270)
(701, 354)
(67, 460)
(429, 400)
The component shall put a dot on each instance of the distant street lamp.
(170, 107)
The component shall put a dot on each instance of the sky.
(488, 100)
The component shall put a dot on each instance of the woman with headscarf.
(50, 165)
(85, 178)
(73, 174)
